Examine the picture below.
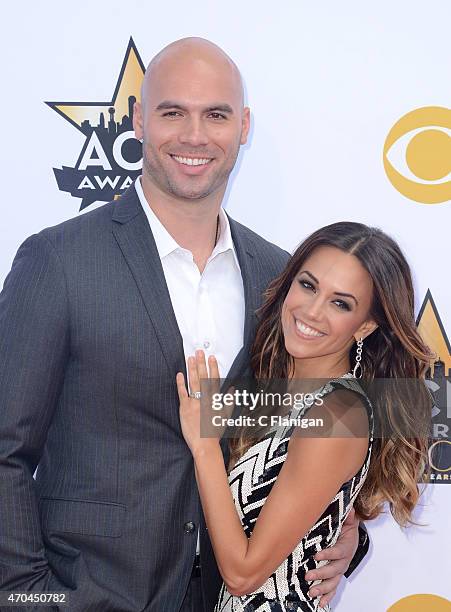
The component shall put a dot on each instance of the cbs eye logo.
(417, 155)
(421, 603)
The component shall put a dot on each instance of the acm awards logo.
(433, 333)
(110, 158)
(417, 155)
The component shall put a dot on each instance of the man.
(96, 318)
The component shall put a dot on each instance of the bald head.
(191, 53)
(191, 121)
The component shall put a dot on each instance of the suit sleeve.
(362, 549)
(34, 347)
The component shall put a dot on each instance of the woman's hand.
(190, 406)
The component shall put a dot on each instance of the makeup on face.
(328, 303)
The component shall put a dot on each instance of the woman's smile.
(306, 331)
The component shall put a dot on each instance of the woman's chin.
(299, 352)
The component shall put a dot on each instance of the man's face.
(192, 124)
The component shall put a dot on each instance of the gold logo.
(433, 332)
(421, 603)
(110, 158)
(434, 448)
(417, 155)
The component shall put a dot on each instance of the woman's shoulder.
(345, 394)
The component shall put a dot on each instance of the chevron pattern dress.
(251, 480)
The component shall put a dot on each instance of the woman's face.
(328, 305)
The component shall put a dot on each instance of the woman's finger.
(201, 365)
(213, 365)
(181, 387)
(194, 384)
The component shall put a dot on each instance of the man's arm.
(362, 549)
(344, 557)
(34, 341)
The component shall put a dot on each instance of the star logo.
(432, 331)
(111, 156)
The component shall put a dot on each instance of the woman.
(343, 308)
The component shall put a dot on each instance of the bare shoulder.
(339, 442)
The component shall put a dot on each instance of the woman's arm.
(313, 472)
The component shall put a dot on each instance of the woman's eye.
(306, 284)
(342, 305)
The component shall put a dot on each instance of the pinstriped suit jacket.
(89, 350)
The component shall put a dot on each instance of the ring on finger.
(196, 394)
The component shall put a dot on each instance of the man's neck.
(192, 223)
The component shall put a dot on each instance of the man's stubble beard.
(162, 180)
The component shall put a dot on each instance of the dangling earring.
(358, 359)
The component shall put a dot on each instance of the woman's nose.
(314, 308)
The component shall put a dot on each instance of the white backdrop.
(326, 81)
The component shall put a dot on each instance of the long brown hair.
(394, 350)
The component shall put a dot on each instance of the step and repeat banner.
(351, 121)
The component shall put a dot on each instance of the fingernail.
(313, 593)
(311, 576)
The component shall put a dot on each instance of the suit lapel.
(134, 237)
(135, 240)
(252, 283)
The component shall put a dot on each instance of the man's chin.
(199, 193)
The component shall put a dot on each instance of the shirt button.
(206, 344)
(189, 527)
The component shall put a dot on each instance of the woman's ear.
(365, 329)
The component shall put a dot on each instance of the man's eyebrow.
(222, 106)
(171, 104)
(166, 104)
(335, 292)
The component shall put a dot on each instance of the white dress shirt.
(209, 307)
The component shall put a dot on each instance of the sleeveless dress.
(251, 480)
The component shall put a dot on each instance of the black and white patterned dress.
(251, 480)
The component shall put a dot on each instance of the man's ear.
(138, 120)
(365, 329)
(245, 124)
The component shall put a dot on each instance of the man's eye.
(342, 305)
(172, 114)
(217, 116)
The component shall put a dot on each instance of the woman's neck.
(329, 366)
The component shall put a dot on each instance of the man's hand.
(339, 557)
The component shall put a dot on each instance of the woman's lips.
(305, 331)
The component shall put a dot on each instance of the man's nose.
(194, 132)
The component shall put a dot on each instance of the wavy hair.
(394, 350)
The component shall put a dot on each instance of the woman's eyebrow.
(341, 293)
(309, 274)
(347, 295)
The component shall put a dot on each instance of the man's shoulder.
(263, 247)
(86, 226)
(258, 241)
